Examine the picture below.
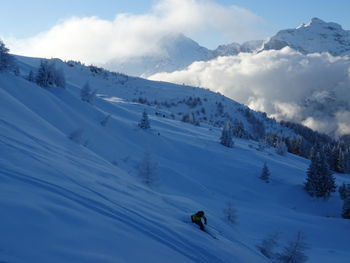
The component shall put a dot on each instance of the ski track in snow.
(148, 227)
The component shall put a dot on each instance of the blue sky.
(23, 19)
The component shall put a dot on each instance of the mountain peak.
(315, 37)
(316, 20)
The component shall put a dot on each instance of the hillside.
(71, 189)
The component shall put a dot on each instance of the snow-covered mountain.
(176, 52)
(235, 48)
(315, 37)
(71, 188)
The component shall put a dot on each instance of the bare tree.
(294, 251)
(148, 170)
(230, 213)
(268, 244)
(226, 135)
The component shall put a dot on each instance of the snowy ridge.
(315, 37)
(81, 200)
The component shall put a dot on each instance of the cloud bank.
(310, 89)
(95, 40)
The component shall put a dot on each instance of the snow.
(175, 52)
(315, 37)
(83, 201)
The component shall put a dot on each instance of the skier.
(197, 219)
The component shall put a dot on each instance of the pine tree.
(226, 135)
(265, 174)
(144, 122)
(320, 181)
(294, 251)
(6, 59)
(48, 75)
(30, 76)
(346, 207)
(344, 191)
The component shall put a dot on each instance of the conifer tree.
(6, 59)
(48, 75)
(144, 122)
(320, 181)
(344, 191)
(30, 76)
(265, 174)
(226, 135)
(346, 207)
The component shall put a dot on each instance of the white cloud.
(95, 40)
(311, 89)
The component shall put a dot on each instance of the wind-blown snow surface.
(82, 201)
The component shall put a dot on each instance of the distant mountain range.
(178, 51)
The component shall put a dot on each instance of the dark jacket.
(197, 218)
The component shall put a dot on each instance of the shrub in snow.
(294, 251)
(281, 148)
(268, 244)
(86, 94)
(105, 120)
(48, 75)
(6, 59)
(320, 181)
(261, 145)
(148, 170)
(190, 118)
(144, 122)
(226, 135)
(265, 174)
(16, 71)
(230, 213)
(76, 136)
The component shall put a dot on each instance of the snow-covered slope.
(81, 199)
(315, 37)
